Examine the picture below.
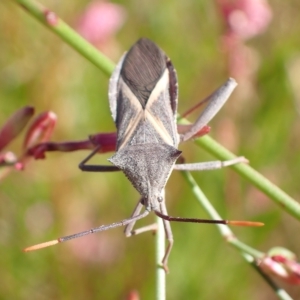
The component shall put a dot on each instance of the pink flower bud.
(7, 158)
(51, 17)
(14, 125)
(133, 295)
(282, 263)
(40, 130)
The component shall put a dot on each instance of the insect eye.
(160, 199)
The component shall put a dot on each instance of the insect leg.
(169, 237)
(128, 228)
(216, 101)
(210, 165)
(95, 168)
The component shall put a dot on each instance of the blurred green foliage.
(52, 197)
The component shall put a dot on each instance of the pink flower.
(40, 130)
(100, 21)
(282, 263)
(14, 125)
(246, 18)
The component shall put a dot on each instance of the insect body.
(143, 104)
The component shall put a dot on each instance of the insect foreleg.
(95, 168)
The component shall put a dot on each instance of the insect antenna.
(207, 221)
(196, 106)
(86, 232)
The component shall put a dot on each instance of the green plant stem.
(248, 253)
(267, 187)
(160, 251)
(281, 293)
(224, 230)
(66, 33)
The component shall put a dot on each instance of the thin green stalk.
(281, 293)
(248, 253)
(160, 251)
(66, 33)
(224, 230)
(286, 202)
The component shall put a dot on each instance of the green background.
(52, 197)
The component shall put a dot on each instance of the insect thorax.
(148, 167)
